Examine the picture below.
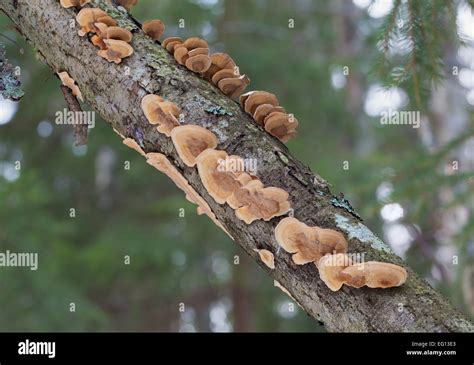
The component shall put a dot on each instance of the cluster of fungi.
(197, 148)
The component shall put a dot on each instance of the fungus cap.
(170, 46)
(330, 268)
(223, 74)
(165, 119)
(74, 3)
(220, 184)
(267, 257)
(195, 42)
(130, 142)
(154, 28)
(127, 4)
(118, 33)
(169, 40)
(304, 242)
(86, 19)
(374, 274)
(250, 101)
(116, 50)
(253, 201)
(197, 51)
(281, 125)
(107, 20)
(199, 63)
(190, 140)
(161, 163)
(71, 84)
(263, 110)
(181, 55)
(233, 87)
(223, 61)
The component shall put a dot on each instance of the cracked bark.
(115, 92)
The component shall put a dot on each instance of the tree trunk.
(115, 92)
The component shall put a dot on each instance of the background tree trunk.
(115, 92)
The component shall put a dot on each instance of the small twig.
(80, 130)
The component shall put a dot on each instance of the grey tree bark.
(115, 92)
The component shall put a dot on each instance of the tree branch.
(80, 130)
(115, 92)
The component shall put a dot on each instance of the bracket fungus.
(71, 84)
(117, 33)
(330, 268)
(219, 61)
(193, 53)
(130, 142)
(161, 163)
(251, 100)
(266, 257)
(190, 140)
(263, 110)
(233, 87)
(127, 4)
(219, 183)
(308, 244)
(154, 28)
(281, 125)
(116, 50)
(374, 274)
(161, 112)
(74, 3)
(87, 18)
(199, 63)
(107, 20)
(170, 42)
(253, 201)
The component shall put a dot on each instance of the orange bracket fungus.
(251, 100)
(193, 52)
(233, 87)
(253, 201)
(281, 125)
(154, 28)
(374, 274)
(127, 4)
(330, 268)
(74, 3)
(161, 112)
(161, 163)
(308, 244)
(130, 142)
(265, 110)
(191, 140)
(219, 61)
(219, 183)
(116, 50)
(117, 33)
(170, 42)
(87, 17)
(71, 84)
(266, 257)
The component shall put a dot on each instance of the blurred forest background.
(341, 65)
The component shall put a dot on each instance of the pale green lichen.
(283, 157)
(360, 232)
(10, 85)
